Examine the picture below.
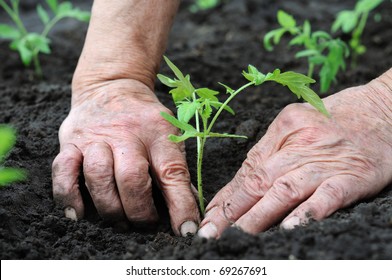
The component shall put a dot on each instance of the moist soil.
(213, 46)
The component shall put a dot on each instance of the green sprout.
(30, 44)
(8, 175)
(354, 22)
(200, 5)
(198, 104)
(319, 48)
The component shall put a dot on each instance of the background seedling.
(30, 44)
(354, 22)
(197, 104)
(8, 175)
(319, 48)
(200, 5)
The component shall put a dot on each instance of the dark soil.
(212, 46)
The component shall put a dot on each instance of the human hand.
(307, 166)
(115, 133)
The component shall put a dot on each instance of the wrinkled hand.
(115, 134)
(307, 166)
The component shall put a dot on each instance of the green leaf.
(186, 110)
(217, 105)
(53, 4)
(298, 84)
(25, 53)
(167, 81)
(179, 94)
(9, 32)
(346, 20)
(309, 96)
(64, 8)
(286, 20)
(253, 75)
(317, 59)
(181, 125)
(290, 77)
(364, 6)
(174, 68)
(183, 137)
(10, 175)
(206, 93)
(321, 35)
(229, 90)
(306, 53)
(267, 40)
(7, 140)
(43, 15)
(38, 42)
(184, 89)
(307, 28)
(297, 40)
(207, 110)
(278, 35)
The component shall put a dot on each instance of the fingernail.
(209, 212)
(70, 213)
(291, 223)
(209, 230)
(188, 227)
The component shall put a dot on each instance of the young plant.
(319, 48)
(31, 44)
(8, 175)
(354, 22)
(197, 104)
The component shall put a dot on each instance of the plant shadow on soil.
(212, 46)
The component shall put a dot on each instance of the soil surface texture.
(212, 46)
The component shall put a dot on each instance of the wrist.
(91, 72)
(112, 91)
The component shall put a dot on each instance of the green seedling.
(30, 44)
(318, 47)
(354, 22)
(200, 5)
(8, 175)
(198, 104)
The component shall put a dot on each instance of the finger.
(171, 171)
(253, 184)
(287, 192)
(334, 193)
(131, 170)
(255, 157)
(99, 178)
(65, 173)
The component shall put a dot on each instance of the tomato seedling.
(354, 22)
(8, 175)
(319, 47)
(30, 44)
(197, 104)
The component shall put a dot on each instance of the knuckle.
(286, 191)
(174, 173)
(228, 212)
(256, 183)
(334, 192)
(289, 115)
(252, 159)
(64, 162)
(135, 174)
(97, 168)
